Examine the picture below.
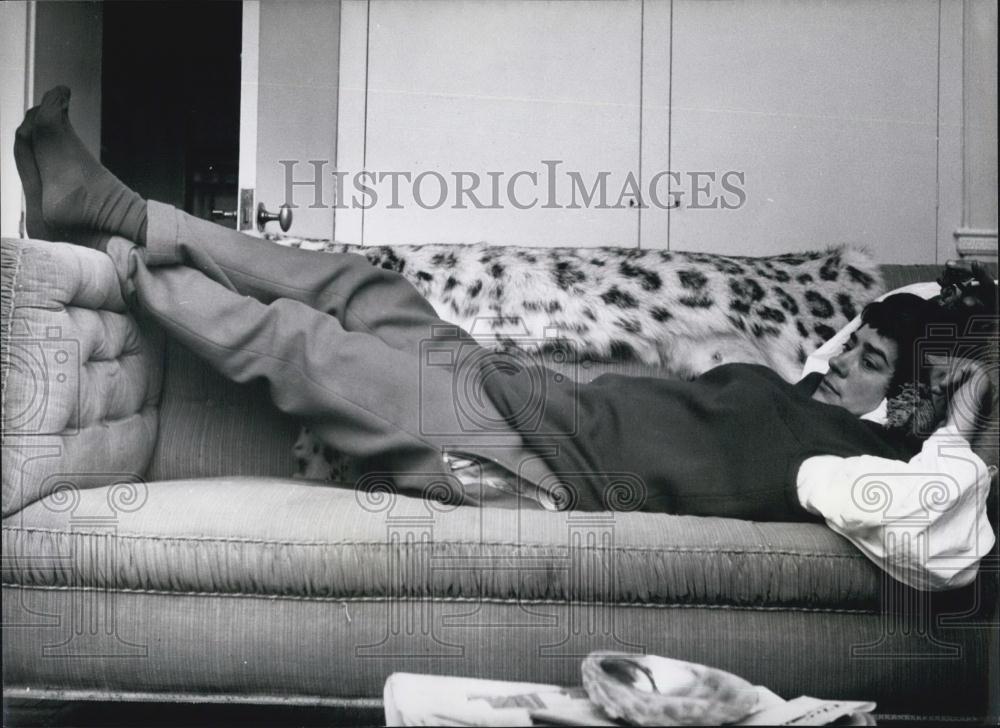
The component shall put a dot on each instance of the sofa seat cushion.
(81, 377)
(281, 538)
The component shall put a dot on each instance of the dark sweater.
(729, 443)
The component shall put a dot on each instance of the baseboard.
(28, 693)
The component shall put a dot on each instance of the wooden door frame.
(249, 91)
(352, 107)
(18, 36)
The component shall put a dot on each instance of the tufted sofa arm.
(81, 377)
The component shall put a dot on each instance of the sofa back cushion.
(210, 426)
(80, 376)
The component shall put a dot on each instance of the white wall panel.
(297, 81)
(654, 219)
(501, 87)
(829, 108)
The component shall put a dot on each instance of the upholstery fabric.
(210, 426)
(280, 537)
(316, 651)
(80, 377)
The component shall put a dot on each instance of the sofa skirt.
(101, 645)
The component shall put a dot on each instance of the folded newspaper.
(417, 700)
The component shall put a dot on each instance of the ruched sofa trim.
(344, 569)
(10, 263)
(441, 600)
(488, 544)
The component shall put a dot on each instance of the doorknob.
(283, 217)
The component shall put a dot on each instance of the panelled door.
(525, 104)
(830, 110)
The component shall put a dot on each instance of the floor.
(85, 713)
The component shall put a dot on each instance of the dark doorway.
(170, 101)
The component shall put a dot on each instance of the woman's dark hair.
(903, 318)
(907, 319)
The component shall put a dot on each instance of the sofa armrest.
(81, 377)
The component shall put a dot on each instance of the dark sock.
(78, 193)
(31, 182)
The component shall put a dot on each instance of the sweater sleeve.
(924, 522)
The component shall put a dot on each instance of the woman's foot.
(79, 196)
(31, 181)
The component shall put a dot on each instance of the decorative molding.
(977, 234)
(973, 242)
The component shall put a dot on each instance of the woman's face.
(859, 376)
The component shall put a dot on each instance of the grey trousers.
(353, 350)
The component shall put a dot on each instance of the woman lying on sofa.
(339, 342)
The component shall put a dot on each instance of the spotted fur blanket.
(684, 312)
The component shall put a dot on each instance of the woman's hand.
(960, 390)
(968, 286)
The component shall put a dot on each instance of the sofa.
(156, 549)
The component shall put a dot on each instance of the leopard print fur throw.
(683, 312)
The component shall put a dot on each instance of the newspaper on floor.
(773, 710)
(417, 700)
(438, 700)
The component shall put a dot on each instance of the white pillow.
(819, 360)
